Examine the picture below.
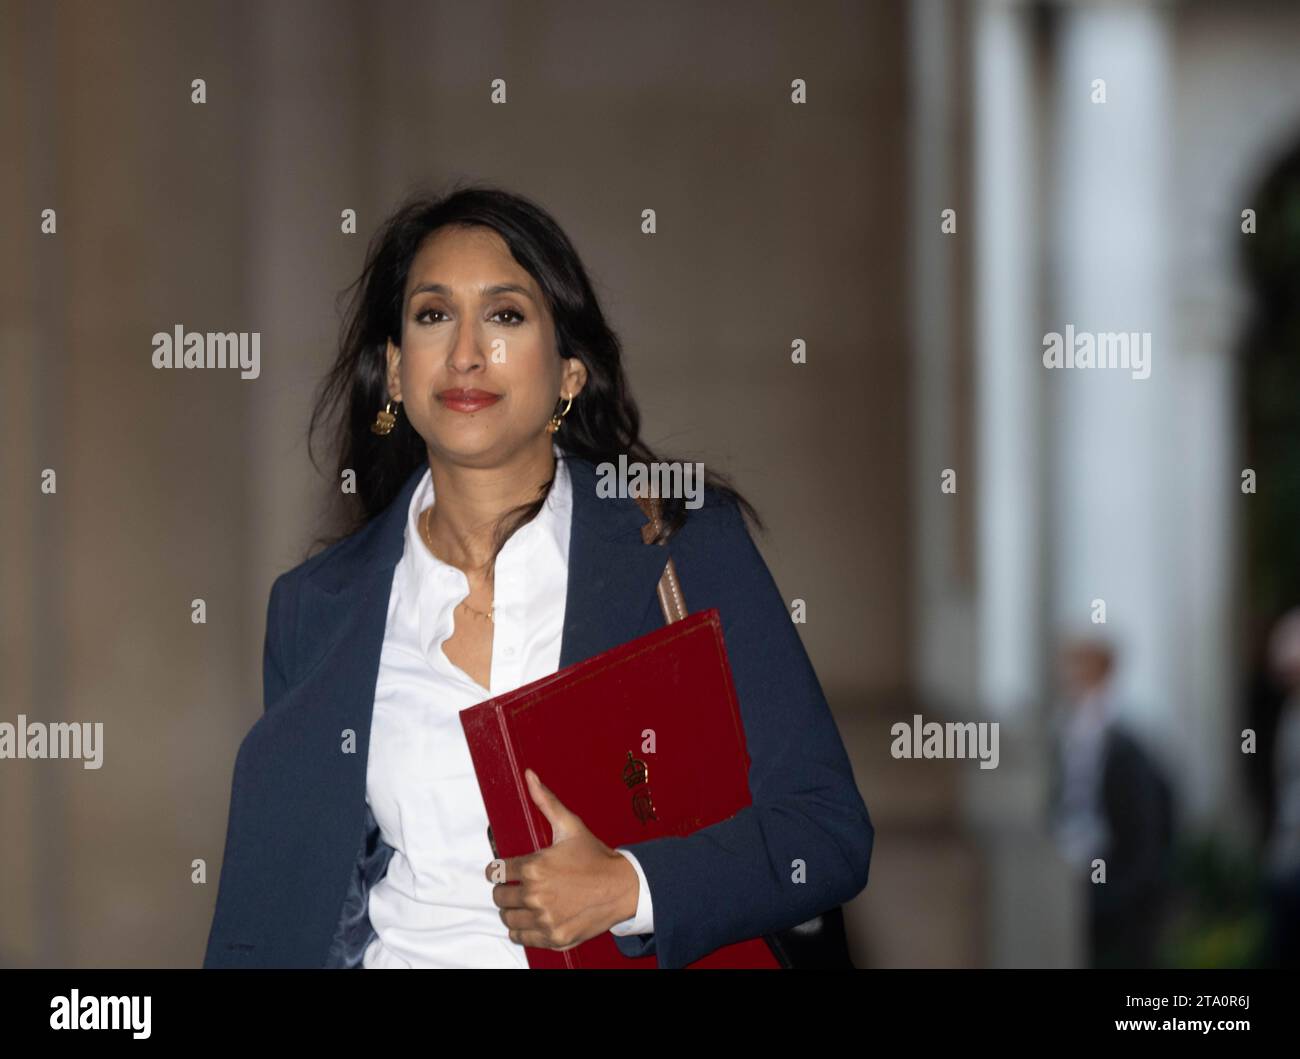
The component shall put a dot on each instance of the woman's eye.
(519, 317)
(420, 316)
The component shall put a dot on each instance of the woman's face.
(477, 372)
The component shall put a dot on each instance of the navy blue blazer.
(302, 846)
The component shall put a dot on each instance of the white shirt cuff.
(644, 920)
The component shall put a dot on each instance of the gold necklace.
(424, 532)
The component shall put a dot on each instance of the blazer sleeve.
(804, 844)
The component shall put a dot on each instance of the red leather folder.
(641, 741)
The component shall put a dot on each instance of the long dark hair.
(602, 423)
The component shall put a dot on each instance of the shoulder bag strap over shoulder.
(670, 589)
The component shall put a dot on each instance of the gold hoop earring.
(384, 421)
(556, 419)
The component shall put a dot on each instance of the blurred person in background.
(1282, 862)
(1110, 801)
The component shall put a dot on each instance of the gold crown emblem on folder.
(635, 771)
(636, 774)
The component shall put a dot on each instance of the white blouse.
(434, 907)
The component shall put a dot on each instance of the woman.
(479, 388)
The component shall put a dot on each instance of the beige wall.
(775, 222)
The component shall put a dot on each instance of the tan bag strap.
(670, 589)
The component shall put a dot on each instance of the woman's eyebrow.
(489, 292)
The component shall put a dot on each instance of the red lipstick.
(468, 400)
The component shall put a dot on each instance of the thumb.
(560, 819)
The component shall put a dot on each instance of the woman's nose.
(466, 353)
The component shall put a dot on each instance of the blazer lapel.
(344, 612)
(612, 571)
